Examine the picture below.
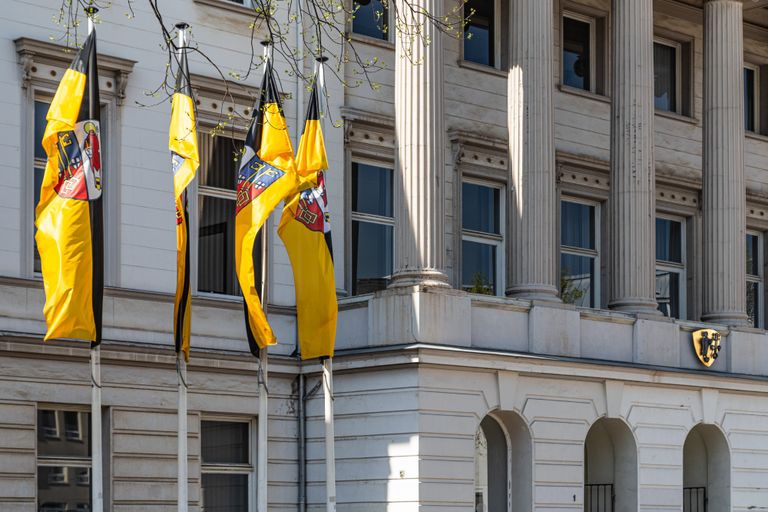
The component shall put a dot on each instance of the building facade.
(529, 223)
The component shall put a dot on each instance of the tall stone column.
(532, 264)
(420, 134)
(632, 201)
(724, 200)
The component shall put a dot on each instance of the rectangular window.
(578, 51)
(220, 158)
(63, 460)
(480, 32)
(482, 239)
(579, 253)
(755, 279)
(373, 227)
(751, 100)
(371, 18)
(670, 267)
(227, 466)
(666, 79)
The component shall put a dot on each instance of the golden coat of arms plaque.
(706, 344)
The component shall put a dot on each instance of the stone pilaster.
(632, 201)
(532, 263)
(723, 195)
(420, 135)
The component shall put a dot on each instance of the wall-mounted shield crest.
(706, 344)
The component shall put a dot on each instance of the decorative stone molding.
(368, 129)
(45, 63)
(219, 100)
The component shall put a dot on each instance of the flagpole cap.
(266, 42)
(91, 11)
(182, 25)
(322, 59)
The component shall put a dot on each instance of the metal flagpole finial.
(91, 12)
(182, 27)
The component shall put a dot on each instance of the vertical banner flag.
(266, 176)
(185, 159)
(69, 216)
(305, 229)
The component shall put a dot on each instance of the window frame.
(592, 22)
(249, 469)
(389, 40)
(758, 278)
(578, 251)
(355, 157)
(497, 47)
(678, 47)
(678, 268)
(496, 240)
(755, 98)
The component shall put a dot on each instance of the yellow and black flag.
(69, 216)
(266, 176)
(185, 159)
(305, 229)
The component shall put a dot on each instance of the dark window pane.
(479, 37)
(749, 99)
(371, 256)
(224, 442)
(39, 173)
(63, 434)
(668, 293)
(753, 263)
(41, 110)
(371, 189)
(753, 303)
(216, 246)
(480, 208)
(370, 19)
(577, 225)
(665, 76)
(478, 267)
(225, 493)
(576, 278)
(63, 489)
(220, 170)
(668, 241)
(576, 53)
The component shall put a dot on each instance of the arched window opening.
(706, 471)
(610, 468)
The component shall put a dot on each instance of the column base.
(644, 307)
(729, 318)
(423, 277)
(540, 292)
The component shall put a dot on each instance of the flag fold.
(306, 232)
(69, 216)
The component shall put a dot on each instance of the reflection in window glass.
(216, 246)
(753, 264)
(576, 279)
(668, 242)
(578, 254)
(370, 19)
(479, 37)
(665, 76)
(371, 256)
(372, 189)
(753, 303)
(754, 279)
(749, 99)
(224, 492)
(668, 293)
(63, 488)
(577, 225)
(576, 53)
(224, 442)
(478, 267)
(480, 208)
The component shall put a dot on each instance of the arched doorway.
(503, 464)
(610, 467)
(706, 470)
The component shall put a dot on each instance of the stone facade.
(421, 364)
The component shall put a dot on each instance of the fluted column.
(632, 201)
(420, 134)
(532, 264)
(724, 201)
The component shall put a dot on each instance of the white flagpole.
(263, 425)
(97, 471)
(181, 370)
(330, 431)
